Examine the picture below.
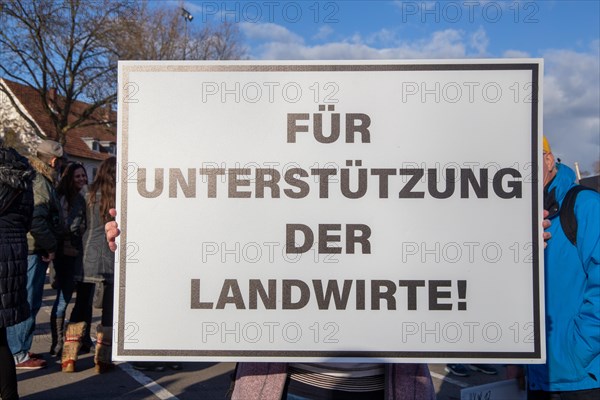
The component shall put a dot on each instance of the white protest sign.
(340, 211)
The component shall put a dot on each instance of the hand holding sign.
(112, 231)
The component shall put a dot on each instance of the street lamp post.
(188, 18)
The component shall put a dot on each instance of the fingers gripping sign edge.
(112, 231)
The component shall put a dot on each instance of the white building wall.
(11, 120)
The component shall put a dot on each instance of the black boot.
(57, 331)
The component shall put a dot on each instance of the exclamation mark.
(462, 294)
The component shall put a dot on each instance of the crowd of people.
(50, 219)
(48, 216)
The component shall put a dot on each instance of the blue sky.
(565, 33)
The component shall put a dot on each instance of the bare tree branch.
(67, 50)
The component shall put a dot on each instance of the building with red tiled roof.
(90, 143)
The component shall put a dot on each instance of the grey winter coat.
(16, 207)
(98, 260)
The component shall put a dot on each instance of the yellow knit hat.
(546, 146)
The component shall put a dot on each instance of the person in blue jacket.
(572, 291)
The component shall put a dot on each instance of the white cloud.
(572, 105)
(383, 36)
(270, 32)
(515, 54)
(356, 38)
(479, 41)
(280, 43)
(324, 32)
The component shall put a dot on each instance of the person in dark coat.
(98, 269)
(69, 253)
(16, 208)
(42, 240)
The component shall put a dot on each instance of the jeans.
(65, 284)
(20, 336)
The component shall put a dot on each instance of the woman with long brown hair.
(69, 252)
(98, 269)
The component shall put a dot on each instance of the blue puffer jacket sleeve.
(584, 337)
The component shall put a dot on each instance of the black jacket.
(16, 208)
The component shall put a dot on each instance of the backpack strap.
(568, 221)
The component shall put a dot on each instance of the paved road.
(205, 381)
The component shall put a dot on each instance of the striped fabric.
(347, 377)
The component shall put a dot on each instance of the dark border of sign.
(535, 354)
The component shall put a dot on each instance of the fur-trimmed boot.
(72, 344)
(86, 340)
(57, 326)
(103, 357)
